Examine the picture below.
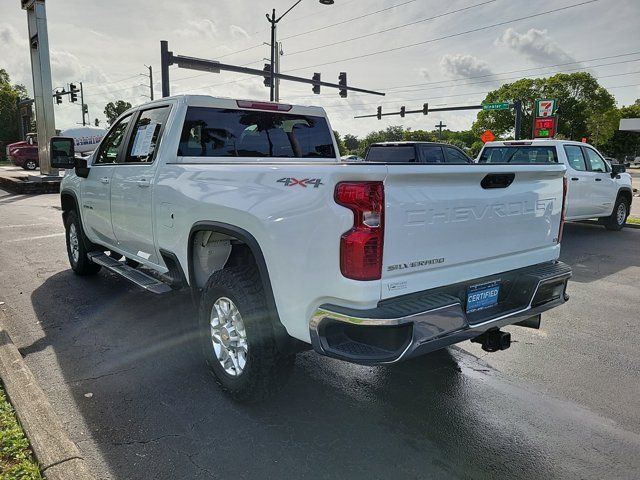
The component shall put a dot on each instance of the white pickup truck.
(596, 188)
(283, 246)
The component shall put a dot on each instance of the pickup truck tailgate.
(450, 223)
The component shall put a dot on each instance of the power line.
(118, 81)
(349, 20)
(486, 27)
(444, 96)
(106, 94)
(451, 12)
(246, 49)
(449, 84)
(532, 68)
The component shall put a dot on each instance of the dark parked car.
(415, 152)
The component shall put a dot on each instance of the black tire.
(618, 217)
(30, 165)
(80, 263)
(266, 369)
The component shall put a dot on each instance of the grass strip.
(16, 459)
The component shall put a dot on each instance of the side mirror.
(62, 152)
(616, 169)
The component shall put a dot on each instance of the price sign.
(544, 127)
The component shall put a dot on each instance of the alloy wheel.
(228, 336)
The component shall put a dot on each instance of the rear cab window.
(519, 154)
(391, 154)
(226, 132)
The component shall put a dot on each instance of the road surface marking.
(28, 239)
(26, 225)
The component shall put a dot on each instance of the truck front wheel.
(76, 246)
(237, 335)
(619, 215)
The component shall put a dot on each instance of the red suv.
(24, 154)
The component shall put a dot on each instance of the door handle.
(143, 183)
(104, 180)
(598, 179)
(574, 179)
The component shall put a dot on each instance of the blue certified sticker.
(482, 296)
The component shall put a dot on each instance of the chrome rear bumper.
(419, 323)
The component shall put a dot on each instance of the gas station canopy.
(630, 124)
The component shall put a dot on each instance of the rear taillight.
(361, 247)
(564, 208)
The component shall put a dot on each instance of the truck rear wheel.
(619, 215)
(237, 336)
(76, 246)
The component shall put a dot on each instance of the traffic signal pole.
(82, 104)
(167, 58)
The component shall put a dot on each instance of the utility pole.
(150, 75)
(41, 74)
(84, 107)
(517, 106)
(440, 126)
(277, 67)
(272, 84)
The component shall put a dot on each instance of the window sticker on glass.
(142, 143)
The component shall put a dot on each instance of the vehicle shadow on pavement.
(593, 252)
(156, 412)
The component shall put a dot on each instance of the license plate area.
(483, 296)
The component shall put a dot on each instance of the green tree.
(113, 110)
(351, 142)
(341, 148)
(9, 115)
(622, 144)
(579, 95)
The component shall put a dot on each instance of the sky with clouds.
(416, 51)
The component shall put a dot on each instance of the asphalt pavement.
(123, 372)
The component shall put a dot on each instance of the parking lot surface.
(123, 371)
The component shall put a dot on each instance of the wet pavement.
(124, 373)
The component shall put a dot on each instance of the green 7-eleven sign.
(546, 107)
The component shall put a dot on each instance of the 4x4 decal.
(305, 182)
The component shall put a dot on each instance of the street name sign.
(496, 106)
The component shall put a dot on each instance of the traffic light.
(342, 81)
(58, 97)
(85, 108)
(73, 93)
(402, 111)
(267, 74)
(425, 109)
(379, 115)
(316, 84)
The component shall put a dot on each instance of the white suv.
(596, 189)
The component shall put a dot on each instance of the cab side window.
(146, 135)
(596, 162)
(575, 157)
(110, 145)
(431, 154)
(456, 156)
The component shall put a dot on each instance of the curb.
(22, 185)
(59, 458)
